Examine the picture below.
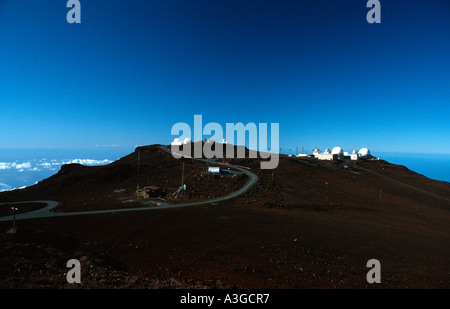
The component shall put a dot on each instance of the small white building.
(354, 155)
(214, 170)
(179, 142)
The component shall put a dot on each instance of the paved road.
(47, 212)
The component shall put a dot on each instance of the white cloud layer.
(26, 165)
(5, 166)
(89, 161)
(37, 166)
(18, 172)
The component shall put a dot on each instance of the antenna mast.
(139, 163)
(183, 186)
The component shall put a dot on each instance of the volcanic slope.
(113, 186)
(305, 224)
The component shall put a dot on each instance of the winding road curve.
(47, 212)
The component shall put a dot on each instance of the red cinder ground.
(306, 224)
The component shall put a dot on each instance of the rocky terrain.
(307, 224)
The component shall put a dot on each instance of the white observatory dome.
(364, 152)
(337, 151)
(187, 140)
(327, 151)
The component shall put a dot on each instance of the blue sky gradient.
(132, 69)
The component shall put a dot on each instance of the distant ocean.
(434, 166)
(24, 167)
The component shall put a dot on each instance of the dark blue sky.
(132, 69)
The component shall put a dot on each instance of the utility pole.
(182, 171)
(139, 165)
(183, 186)
(14, 217)
(138, 174)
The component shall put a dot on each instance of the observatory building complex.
(337, 153)
(179, 142)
